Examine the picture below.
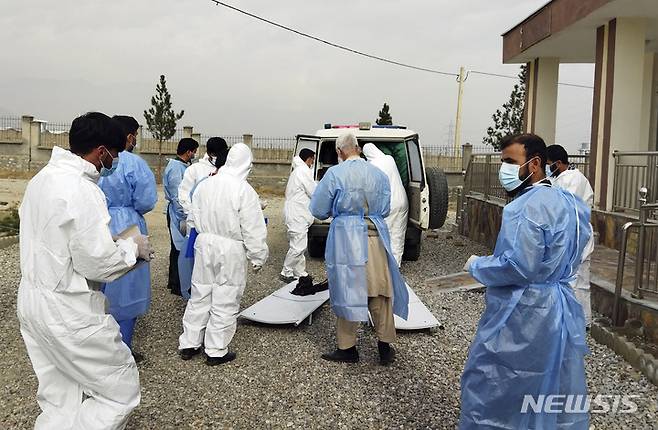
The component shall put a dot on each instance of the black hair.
(94, 129)
(305, 154)
(557, 153)
(217, 147)
(186, 144)
(128, 124)
(534, 145)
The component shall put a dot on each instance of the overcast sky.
(235, 75)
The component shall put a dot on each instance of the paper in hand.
(130, 233)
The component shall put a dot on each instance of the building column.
(187, 131)
(248, 139)
(541, 98)
(619, 85)
(139, 138)
(26, 132)
(653, 115)
(647, 102)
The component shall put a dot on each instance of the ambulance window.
(327, 158)
(328, 155)
(415, 164)
(306, 144)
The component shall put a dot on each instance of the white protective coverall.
(297, 217)
(575, 182)
(396, 221)
(74, 346)
(231, 228)
(193, 175)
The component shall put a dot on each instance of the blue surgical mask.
(108, 171)
(509, 175)
(549, 172)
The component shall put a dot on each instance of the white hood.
(238, 162)
(397, 218)
(206, 160)
(64, 159)
(372, 152)
(298, 162)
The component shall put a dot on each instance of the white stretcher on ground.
(282, 307)
(419, 318)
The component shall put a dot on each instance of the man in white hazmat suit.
(228, 217)
(216, 152)
(87, 376)
(297, 216)
(397, 218)
(195, 174)
(563, 175)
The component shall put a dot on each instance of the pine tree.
(509, 119)
(385, 117)
(161, 118)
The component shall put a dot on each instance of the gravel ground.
(278, 380)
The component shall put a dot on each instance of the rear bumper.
(318, 230)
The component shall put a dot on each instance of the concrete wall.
(608, 225)
(602, 293)
(481, 220)
(28, 149)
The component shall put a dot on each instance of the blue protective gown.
(130, 193)
(171, 179)
(186, 256)
(531, 337)
(350, 192)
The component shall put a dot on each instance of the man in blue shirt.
(130, 193)
(171, 180)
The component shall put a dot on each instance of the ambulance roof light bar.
(360, 126)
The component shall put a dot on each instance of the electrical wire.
(566, 84)
(371, 56)
(332, 44)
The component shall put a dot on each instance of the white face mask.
(107, 171)
(509, 175)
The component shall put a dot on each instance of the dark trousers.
(174, 280)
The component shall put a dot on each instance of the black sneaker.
(215, 361)
(188, 353)
(386, 353)
(137, 356)
(350, 355)
(287, 279)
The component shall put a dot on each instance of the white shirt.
(575, 182)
